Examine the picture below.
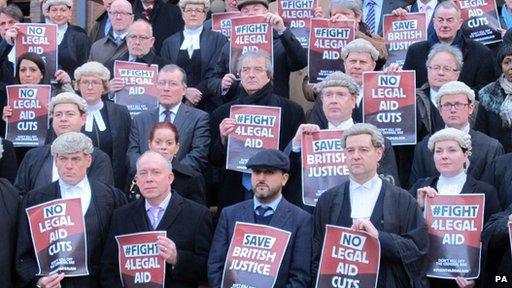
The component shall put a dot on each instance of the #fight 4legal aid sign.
(323, 164)
(58, 235)
(251, 33)
(481, 20)
(221, 22)
(454, 223)
(140, 92)
(28, 124)
(327, 39)
(389, 103)
(257, 127)
(296, 15)
(349, 259)
(40, 39)
(140, 263)
(254, 256)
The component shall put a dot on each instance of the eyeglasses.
(90, 83)
(115, 14)
(190, 11)
(138, 37)
(450, 20)
(457, 106)
(445, 69)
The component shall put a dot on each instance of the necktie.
(261, 210)
(155, 216)
(119, 40)
(167, 114)
(147, 13)
(370, 16)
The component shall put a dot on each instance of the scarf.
(506, 106)
(261, 97)
(507, 17)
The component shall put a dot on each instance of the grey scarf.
(506, 106)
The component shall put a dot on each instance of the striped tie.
(370, 16)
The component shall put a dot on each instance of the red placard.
(296, 15)
(257, 127)
(401, 32)
(250, 33)
(40, 39)
(390, 104)
(480, 20)
(140, 92)
(221, 22)
(28, 124)
(454, 223)
(254, 256)
(327, 39)
(349, 259)
(140, 263)
(323, 164)
(58, 235)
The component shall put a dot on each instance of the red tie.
(147, 12)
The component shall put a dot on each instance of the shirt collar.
(457, 179)
(272, 204)
(464, 129)
(197, 31)
(114, 34)
(83, 184)
(162, 205)
(345, 125)
(62, 28)
(432, 4)
(174, 109)
(367, 185)
(95, 107)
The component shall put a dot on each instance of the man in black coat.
(9, 202)
(72, 152)
(288, 55)
(499, 175)
(255, 69)
(188, 226)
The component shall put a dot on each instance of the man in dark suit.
(193, 124)
(102, 24)
(380, 7)
(188, 225)
(72, 152)
(268, 207)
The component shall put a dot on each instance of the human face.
(449, 158)
(139, 39)
(121, 16)
(442, 69)
(253, 74)
(72, 167)
(453, 117)
(91, 88)
(362, 157)
(164, 142)
(193, 15)
(171, 88)
(67, 118)
(506, 67)
(29, 72)
(154, 179)
(357, 63)
(346, 14)
(253, 9)
(337, 104)
(447, 22)
(267, 183)
(59, 14)
(6, 22)
(231, 5)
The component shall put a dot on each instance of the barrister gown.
(402, 233)
(104, 199)
(188, 225)
(8, 163)
(73, 50)
(9, 201)
(499, 175)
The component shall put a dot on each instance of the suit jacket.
(105, 49)
(73, 50)
(32, 165)
(387, 7)
(9, 202)
(484, 150)
(499, 175)
(150, 58)
(8, 162)
(194, 136)
(188, 225)
(295, 267)
(98, 28)
(104, 199)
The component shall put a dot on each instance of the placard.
(400, 32)
(480, 20)
(455, 224)
(29, 123)
(58, 234)
(221, 22)
(254, 256)
(389, 103)
(296, 15)
(140, 91)
(323, 164)
(257, 127)
(327, 40)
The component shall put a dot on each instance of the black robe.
(73, 50)
(8, 162)
(499, 175)
(9, 202)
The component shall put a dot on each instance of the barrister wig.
(339, 79)
(72, 142)
(451, 134)
(48, 3)
(364, 128)
(68, 98)
(205, 3)
(455, 87)
(361, 46)
(93, 68)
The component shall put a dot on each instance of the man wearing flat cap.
(72, 153)
(268, 207)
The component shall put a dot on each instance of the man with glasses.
(114, 45)
(479, 67)
(456, 103)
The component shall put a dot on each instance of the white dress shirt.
(94, 115)
(377, 8)
(174, 112)
(81, 190)
(363, 197)
(451, 185)
(156, 218)
(427, 8)
(345, 125)
(433, 96)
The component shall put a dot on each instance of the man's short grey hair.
(72, 142)
(150, 153)
(184, 3)
(354, 5)
(361, 46)
(253, 55)
(451, 134)
(455, 87)
(447, 48)
(339, 79)
(145, 23)
(12, 11)
(68, 98)
(447, 5)
(170, 68)
(364, 128)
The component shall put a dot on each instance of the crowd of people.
(165, 168)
